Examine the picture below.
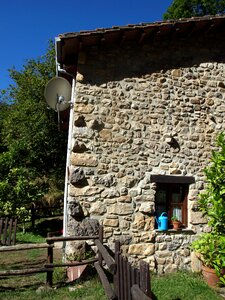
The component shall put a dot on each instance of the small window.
(171, 195)
(172, 199)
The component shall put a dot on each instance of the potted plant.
(210, 247)
(175, 222)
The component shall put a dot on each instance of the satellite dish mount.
(58, 94)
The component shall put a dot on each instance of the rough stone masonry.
(142, 110)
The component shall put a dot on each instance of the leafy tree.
(194, 8)
(32, 150)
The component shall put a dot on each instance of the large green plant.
(210, 247)
(212, 200)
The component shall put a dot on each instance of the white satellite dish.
(58, 93)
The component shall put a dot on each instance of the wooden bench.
(8, 227)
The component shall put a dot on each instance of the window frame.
(169, 188)
(168, 182)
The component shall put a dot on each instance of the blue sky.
(26, 26)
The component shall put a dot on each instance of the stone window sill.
(179, 231)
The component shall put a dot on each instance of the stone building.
(148, 103)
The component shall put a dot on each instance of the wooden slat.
(5, 225)
(121, 287)
(145, 278)
(137, 293)
(101, 241)
(110, 262)
(116, 276)
(104, 280)
(129, 296)
(125, 285)
(14, 232)
(9, 233)
(1, 227)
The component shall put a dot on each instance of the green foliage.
(194, 8)
(211, 246)
(212, 200)
(32, 150)
(174, 218)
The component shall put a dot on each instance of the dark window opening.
(172, 199)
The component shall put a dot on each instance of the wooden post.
(50, 261)
(101, 240)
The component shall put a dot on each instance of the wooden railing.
(129, 283)
(21, 247)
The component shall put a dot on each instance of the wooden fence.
(8, 227)
(129, 283)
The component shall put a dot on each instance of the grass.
(176, 286)
(182, 285)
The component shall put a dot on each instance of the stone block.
(176, 72)
(84, 191)
(146, 207)
(111, 222)
(139, 221)
(120, 209)
(83, 159)
(124, 199)
(170, 268)
(197, 218)
(106, 135)
(97, 208)
(84, 108)
(141, 249)
(195, 263)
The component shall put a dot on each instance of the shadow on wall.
(114, 62)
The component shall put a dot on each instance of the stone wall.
(142, 110)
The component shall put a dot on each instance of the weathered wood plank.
(70, 238)
(101, 240)
(14, 232)
(24, 247)
(129, 285)
(145, 278)
(104, 280)
(70, 264)
(23, 271)
(117, 274)
(125, 279)
(138, 294)
(121, 286)
(110, 262)
(5, 225)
